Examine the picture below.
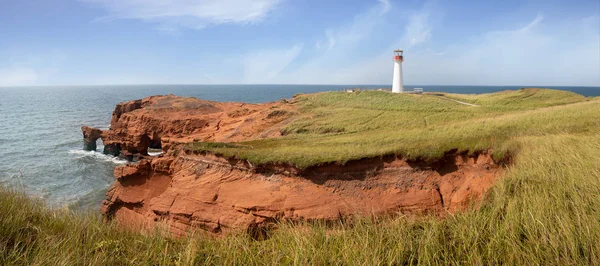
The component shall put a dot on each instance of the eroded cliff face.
(187, 190)
(214, 193)
(160, 121)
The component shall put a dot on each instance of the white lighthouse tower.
(398, 84)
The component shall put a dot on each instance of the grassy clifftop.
(339, 126)
(521, 99)
(545, 210)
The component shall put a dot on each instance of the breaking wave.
(155, 152)
(98, 155)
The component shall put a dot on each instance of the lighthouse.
(398, 84)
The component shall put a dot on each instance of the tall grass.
(544, 210)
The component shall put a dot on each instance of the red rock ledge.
(188, 190)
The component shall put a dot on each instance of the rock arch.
(90, 136)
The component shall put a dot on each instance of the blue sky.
(468, 42)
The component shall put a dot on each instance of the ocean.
(41, 140)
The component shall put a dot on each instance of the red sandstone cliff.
(201, 190)
(159, 121)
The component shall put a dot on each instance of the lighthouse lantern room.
(398, 84)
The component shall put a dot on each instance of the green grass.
(520, 99)
(339, 126)
(544, 210)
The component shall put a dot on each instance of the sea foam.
(98, 155)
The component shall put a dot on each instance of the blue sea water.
(41, 141)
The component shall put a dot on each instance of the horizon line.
(289, 84)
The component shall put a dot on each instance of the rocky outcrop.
(90, 136)
(185, 189)
(159, 121)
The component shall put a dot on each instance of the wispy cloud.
(330, 39)
(329, 42)
(537, 20)
(264, 66)
(337, 46)
(195, 14)
(417, 31)
(558, 52)
(531, 50)
(342, 65)
(385, 5)
(359, 28)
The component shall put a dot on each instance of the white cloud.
(194, 14)
(538, 19)
(265, 66)
(560, 52)
(333, 66)
(335, 49)
(330, 39)
(540, 52)
(386, 6)
(328, 43)
(417, 31)
(360, 28)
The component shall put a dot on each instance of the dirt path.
(457, 101)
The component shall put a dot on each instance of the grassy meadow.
(340, 126)
(544, 210)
